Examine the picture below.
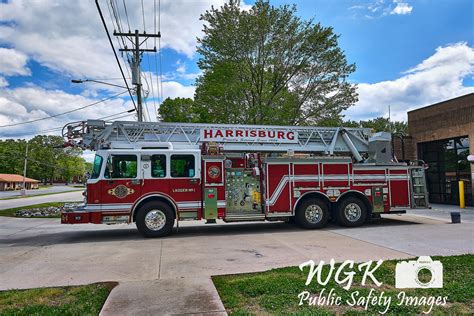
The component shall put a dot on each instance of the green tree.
(47, 159)
(12, 153)
(177, 110)
(381, 124)
(71, 166)
(268, 66)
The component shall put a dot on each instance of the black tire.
(304, 213)
(351, 212)
(159, 223)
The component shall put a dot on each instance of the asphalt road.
(51, 189)
(60, 197)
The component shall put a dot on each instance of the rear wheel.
(155, 219)
(312, 213)
(351, 212)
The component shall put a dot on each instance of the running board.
(244, 217)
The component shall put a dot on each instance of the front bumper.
(77, 215)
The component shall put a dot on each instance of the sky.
(408, 54)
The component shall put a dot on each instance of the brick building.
(442, 135)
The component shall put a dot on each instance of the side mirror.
(108, 169)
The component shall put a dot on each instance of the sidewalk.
(165, 297)
(443, 212)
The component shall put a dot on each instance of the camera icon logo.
(423, 273)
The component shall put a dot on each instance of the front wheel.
(351, 212)
(155, 219)
(312, 213)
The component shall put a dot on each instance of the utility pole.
(134, 38)
(23, 189)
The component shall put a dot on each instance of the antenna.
(389, 121)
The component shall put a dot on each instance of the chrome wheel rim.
(352, 212)
(313, 213)
(155, 220)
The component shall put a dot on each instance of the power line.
(129, 111)
(159, 49)
(126, 15)
(154, 18)
(32, 160)
(115, 53)
(116, 118)
(149, 73)
(146, 97)
(152, 88)
(112, 18)
(59, 128)
(136, 60)
(67, 112)
(143, 15)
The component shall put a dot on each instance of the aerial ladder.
(99, 134)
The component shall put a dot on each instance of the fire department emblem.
(214, 172)
(121, 191)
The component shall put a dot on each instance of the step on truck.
(158, 174)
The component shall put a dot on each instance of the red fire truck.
(157, 174)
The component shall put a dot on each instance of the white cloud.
(3, 82)
(380, 8)
(437, 78)
(29, 103)
(13, 62)
(173, 89)
(88, 155)
(401, 8)
(68, 36)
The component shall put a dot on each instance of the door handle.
(194, 181)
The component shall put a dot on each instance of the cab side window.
(158, 166)
(121, 167)
(182, 166)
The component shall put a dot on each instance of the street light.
(97, 81)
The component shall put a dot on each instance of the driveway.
(79, 254)
(41, 252)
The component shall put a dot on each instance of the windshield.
(96, 167)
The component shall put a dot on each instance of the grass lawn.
(70, 300)
(10, 212)
(276, 291)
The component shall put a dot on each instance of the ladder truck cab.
(157, 174)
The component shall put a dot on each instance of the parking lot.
(42, 252)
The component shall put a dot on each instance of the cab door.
(122, 184)
(185, 180)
